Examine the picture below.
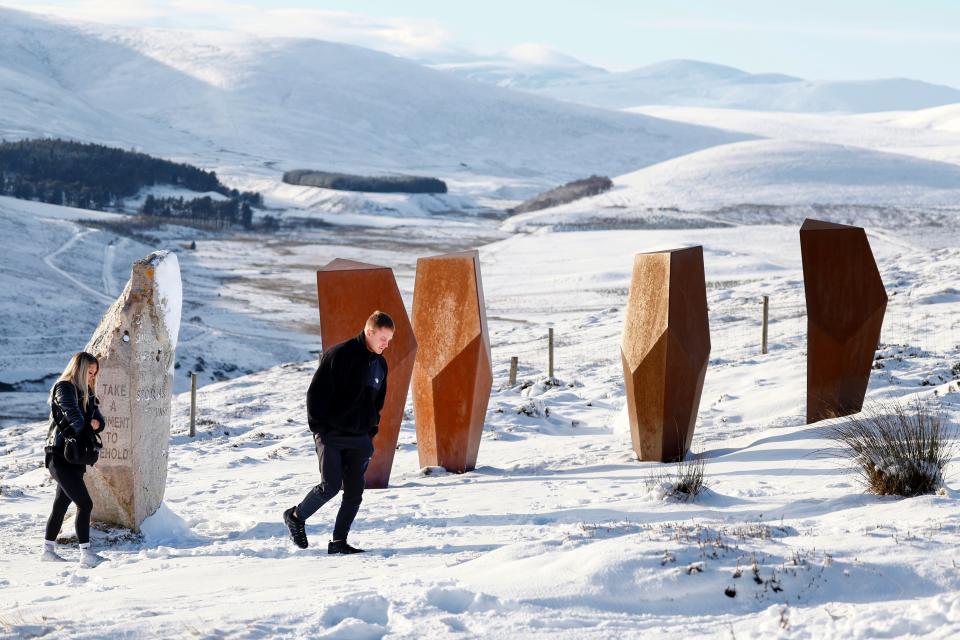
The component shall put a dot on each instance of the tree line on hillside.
(219, 213)
(569, 192)
(94, 176)
(372, 184)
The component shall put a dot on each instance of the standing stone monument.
(347, 293)
(135, 343)
(665, 348)
(452, 375)
(846, 303)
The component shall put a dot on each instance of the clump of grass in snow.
(686, 480)
(897, 450)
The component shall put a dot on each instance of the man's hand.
(96, 424)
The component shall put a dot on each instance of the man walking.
(343, 409)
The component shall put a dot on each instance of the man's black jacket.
(348, 390)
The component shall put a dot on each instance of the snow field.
(559, 532)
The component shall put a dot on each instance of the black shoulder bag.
(82, 449)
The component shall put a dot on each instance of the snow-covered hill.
(63, 267)
(938, 119)
(768, 173)
(525, 67)
(227, 100)
(694, 83)
(249, 301)
(909, 133)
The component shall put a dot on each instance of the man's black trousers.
(343, 461)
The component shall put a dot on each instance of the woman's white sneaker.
(49, 555)
(90, 559)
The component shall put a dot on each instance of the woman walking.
(72, 443)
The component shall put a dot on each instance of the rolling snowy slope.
(770, 173)
(923, 134)
(941, 120)
(249, 300)
(695, 83)
(229, 100)
(59, 276)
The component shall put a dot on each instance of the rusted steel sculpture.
(347, 293)
(452, 376)
(665, 349)
(846, 302)
(136, 342)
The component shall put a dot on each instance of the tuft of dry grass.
(897, 450)
(686, 481)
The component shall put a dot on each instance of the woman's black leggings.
(70, 488)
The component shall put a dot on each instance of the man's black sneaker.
(341, 547)
(296, 526)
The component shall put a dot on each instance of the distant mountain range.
(251, 107)
(222, 100)
(691, 83)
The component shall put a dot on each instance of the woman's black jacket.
(67, 412)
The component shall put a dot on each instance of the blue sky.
(843, 39)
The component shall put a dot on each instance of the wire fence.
(916, 326)
(736, 332)
(213, 415)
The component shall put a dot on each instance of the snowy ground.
(559, 532)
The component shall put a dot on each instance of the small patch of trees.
(94, 176)
(218, 213)
(569, 192)
(374, 184)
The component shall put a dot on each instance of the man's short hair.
(379, 320)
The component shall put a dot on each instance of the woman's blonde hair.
(76, 374)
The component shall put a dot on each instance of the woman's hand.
(96, 424)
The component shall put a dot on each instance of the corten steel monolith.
(135, 344)
(665, 349)
(347, 293)
(452, 376)
(846, 302)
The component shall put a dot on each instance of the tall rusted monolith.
(452, 376)
(135, 343)
(347, 293)
(846, 302)
(665, 349)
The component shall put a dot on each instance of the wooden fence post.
(766, 318)
(550, 348)
(513, 370)
(193, 405)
